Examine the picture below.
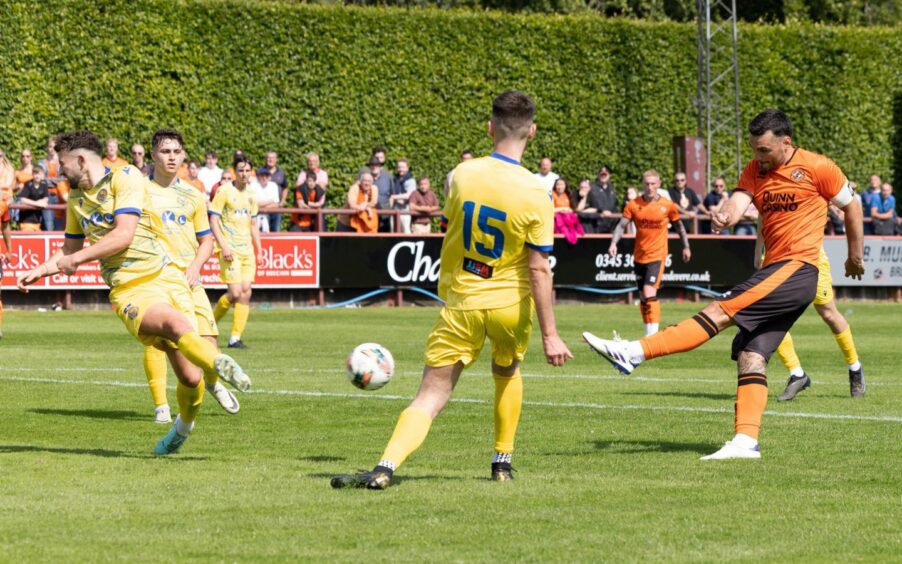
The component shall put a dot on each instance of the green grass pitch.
(607, 466)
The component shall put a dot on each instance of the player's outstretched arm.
(556, 351)
(732, 211)
(49, 268)
(684, 239)
(618, 233)
(854, 222)
(113, 242)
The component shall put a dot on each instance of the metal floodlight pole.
(719, 119)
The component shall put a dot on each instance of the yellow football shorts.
(168, 286)
(459, 335)
(241, 269)
(203, 311)
(824, 293)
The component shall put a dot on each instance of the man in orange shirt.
(791, 187)
(192, 179)
(652, 215)
(111, 158)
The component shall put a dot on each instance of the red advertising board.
(289, 261)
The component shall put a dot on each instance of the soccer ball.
(370, 366)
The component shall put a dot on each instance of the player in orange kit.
(651, 214)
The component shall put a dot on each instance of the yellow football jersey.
(178, 213)
(92, 213)
(236, 210)
(496, 210)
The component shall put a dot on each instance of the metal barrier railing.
(320, 214)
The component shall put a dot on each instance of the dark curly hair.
(74, 140)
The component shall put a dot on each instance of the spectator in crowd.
(686, 199)
(36, 192)
(883, 211)
(51, 167)
(382, 181)
(138, 160)
(111, 158)
(51, 164)
(835, 224)
(423, 202)
(631, 193)
(867, 201)
(322, 177)
(403, 185)
(465, 155)
(228, 177)
(565, 221)
(378, 155)
(276, 175)
(606, 201)
(749, 222)
(192, 179)
(586, 201)
(362, 198)
(210, 173)
(712, 204)
(25, 172)
(310, 196)
(545, 175)
(267, 200)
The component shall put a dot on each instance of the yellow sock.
(239, 322)
(222, 307)
(198, 350)
(155, 370)
(847, 345)
(788, 355)
(508, 401)
(410, 432)
(190, 400)
(210, 379)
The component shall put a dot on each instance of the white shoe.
(733, 449)
(225, 398)
(231, 372)
(162, 415)
(615, 351)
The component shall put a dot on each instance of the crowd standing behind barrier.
(382, 201)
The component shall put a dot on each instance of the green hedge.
(338, 80)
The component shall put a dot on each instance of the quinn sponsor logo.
(648, 224)
(424, 267)
(292, 259)
(779, 202)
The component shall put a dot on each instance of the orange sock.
(751, 399)
(644, 309)
(653, 310)
(682, 337)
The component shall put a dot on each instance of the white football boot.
(162, 415)
(742, 446)
(226, 399)
(616, 351)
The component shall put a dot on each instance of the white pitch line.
(583, 405)
(62, 369)
(726, 380)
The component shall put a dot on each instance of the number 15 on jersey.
(488, 221)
